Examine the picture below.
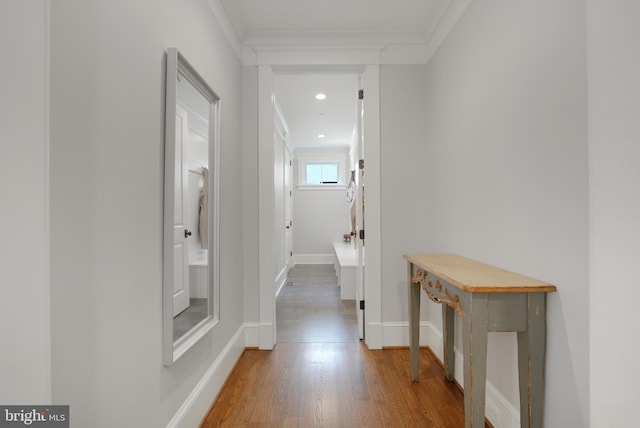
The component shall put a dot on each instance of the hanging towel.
(203, 226)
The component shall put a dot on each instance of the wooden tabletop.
(475, 277)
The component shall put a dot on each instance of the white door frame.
(266, 204)
(288, 207)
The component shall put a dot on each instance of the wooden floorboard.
(320, 375)
(335, 385)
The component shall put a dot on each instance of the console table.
(485, 299)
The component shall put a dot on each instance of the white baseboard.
(500, 412)
(507, 416)
(266, 336)
(374, 334)
(251, 334)
(313, 259)
(197, 404)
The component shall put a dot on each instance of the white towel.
(203, 226)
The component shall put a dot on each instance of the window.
(322, 173)
(322, 169)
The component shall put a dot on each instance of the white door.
(288, 195)
(359, 198)
(180, 232)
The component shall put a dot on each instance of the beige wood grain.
(475, 277)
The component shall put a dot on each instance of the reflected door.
(288, 195)
(180, 232)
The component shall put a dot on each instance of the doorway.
(318, 114)
(372, 286)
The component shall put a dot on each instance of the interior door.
(180, 215)
(288, 196)
(359, 198)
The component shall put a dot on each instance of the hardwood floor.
(335, 385)
(329, 379)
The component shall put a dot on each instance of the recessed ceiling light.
(320, 96)
(321, 135)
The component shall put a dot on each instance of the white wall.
(504, 177)
(405, 209)
(320, 216)
(24, 213)
(614, 177)
(107, 126)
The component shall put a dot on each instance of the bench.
(345, 263)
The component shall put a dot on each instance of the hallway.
(319, 374)
(309, 309)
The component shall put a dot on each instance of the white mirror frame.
(173, 350)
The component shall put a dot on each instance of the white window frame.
(322, 157)
(321, 164)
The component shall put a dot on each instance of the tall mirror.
(190, 241)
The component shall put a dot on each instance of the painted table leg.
(414, 325)
(475, 332)
(531, 354)
(448, 342)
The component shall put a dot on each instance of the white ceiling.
(307, 117)
(257, 24)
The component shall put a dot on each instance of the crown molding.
(226, 25)
(340, 47)
(261, 39)
(444, 26)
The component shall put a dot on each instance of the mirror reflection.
(190, 238)
(191, 195)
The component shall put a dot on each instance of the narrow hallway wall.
(503, 178)
(107, 145)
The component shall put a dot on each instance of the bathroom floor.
(187, 319)
(309, 308)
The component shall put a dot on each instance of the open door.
(359, 208)
(180, 232)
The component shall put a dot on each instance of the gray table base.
(480, 313)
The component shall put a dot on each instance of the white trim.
(197, 404)
(262, 40)
(227, 27)
(372, 268)
(281, 279)
(266, 335)
(266, 202)
(310, 56)
(373, 332)
(251, 334)
(281, 122)
(305, 187)
(444, 26)
(305, 156)
(338, 47)
(509, 416)
(396, 334)
(266, 207)
(313, 259)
